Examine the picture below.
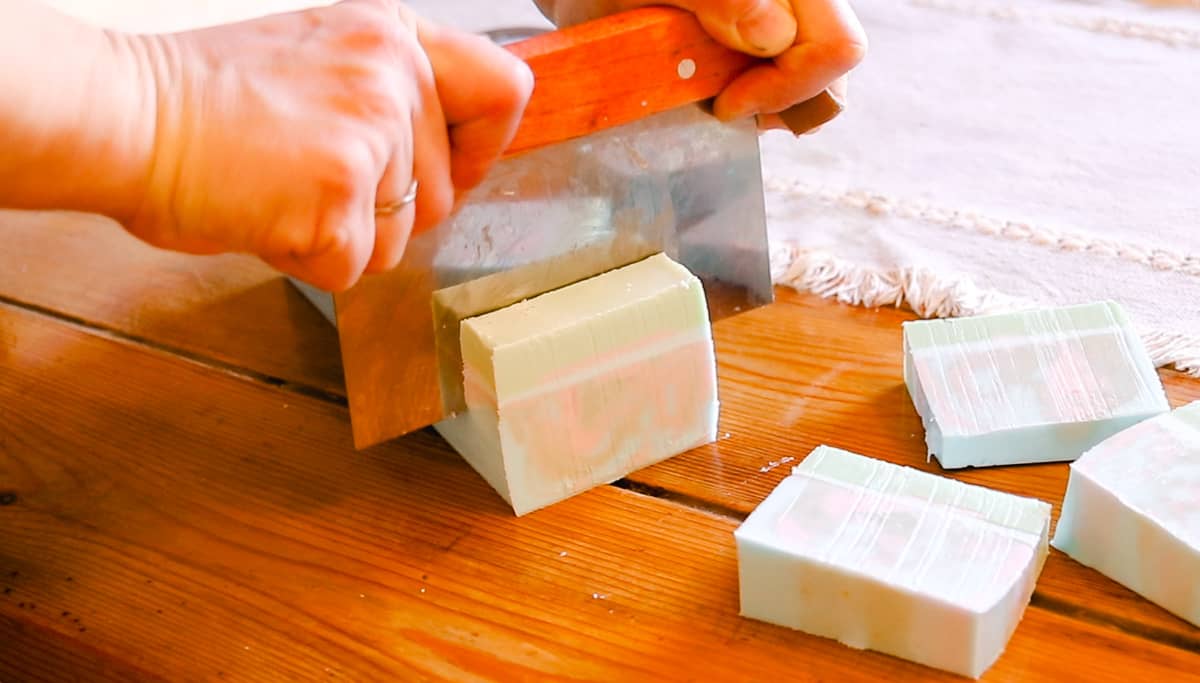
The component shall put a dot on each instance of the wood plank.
(46, 654)
(807, 372)
(201, 525)
(785, 385)
(231, 308)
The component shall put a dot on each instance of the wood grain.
(204, 525)
(229, 309)
(627, 66)
(806, 372)
(614, 70)
(785, 384)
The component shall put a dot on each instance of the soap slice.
(585, 384)
(889, 558)
(1035, 386)
(1132, 510)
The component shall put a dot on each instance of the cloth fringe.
(931, 295)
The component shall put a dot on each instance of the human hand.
(812, 44)
(280, 136)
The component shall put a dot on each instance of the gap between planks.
(1051, 604)
(115, 334)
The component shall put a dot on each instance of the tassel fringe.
(930, 295)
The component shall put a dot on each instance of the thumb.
(763, 28)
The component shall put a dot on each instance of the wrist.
(117, 148)
(77, 127)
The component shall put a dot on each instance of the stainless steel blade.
(679, 182)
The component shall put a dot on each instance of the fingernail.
(768, 28)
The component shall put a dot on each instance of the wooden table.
(180, 500)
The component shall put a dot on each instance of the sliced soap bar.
(585, 384)
(889, 558)
(1132, 510)
(1033, 386)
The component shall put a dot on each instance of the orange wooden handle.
(618, 69)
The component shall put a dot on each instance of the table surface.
(180, 500)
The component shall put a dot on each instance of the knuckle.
(846, 54)
(347, 166)
(510, 80)
(329, 238)
(520, 85)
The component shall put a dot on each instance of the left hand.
(812, 44)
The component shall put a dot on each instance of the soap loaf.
(1033, 386)
(1132, 510)
(584, 384)
(892, 559)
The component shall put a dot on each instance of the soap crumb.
(361, 595)
(563, 554)
(599, 596)
(422, 590)
(776, 463)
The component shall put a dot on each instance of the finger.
(763, 28)
(392, 229)
(483, 91)
(431, 164)
(830, 42)
(340, 259)
(431, 148)
(391, 239)
(770, 122)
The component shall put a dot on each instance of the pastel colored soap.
(889, 558)
(1132, 510)
(585, 384)
(1027, 387)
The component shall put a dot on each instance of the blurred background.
(996, 154)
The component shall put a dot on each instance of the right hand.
(812, 46)
(279, 136)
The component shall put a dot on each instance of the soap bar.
(892, 559)
(1132, 510)
(1034, 386)
(584, 384)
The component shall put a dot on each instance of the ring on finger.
(392, 207)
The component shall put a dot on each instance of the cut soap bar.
(585, 384)
(1034, 386)
(893, 559)
(1132, 510)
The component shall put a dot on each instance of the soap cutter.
(616, 159)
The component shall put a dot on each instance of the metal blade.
(679, 182)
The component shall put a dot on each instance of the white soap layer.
(1132, 510)
(585, 384)
(1033, 386)
(892, 559)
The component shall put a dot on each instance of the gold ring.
(392, 207)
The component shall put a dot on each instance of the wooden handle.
(615, 70)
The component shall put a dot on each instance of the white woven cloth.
(1005, 154)
(997, 154)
